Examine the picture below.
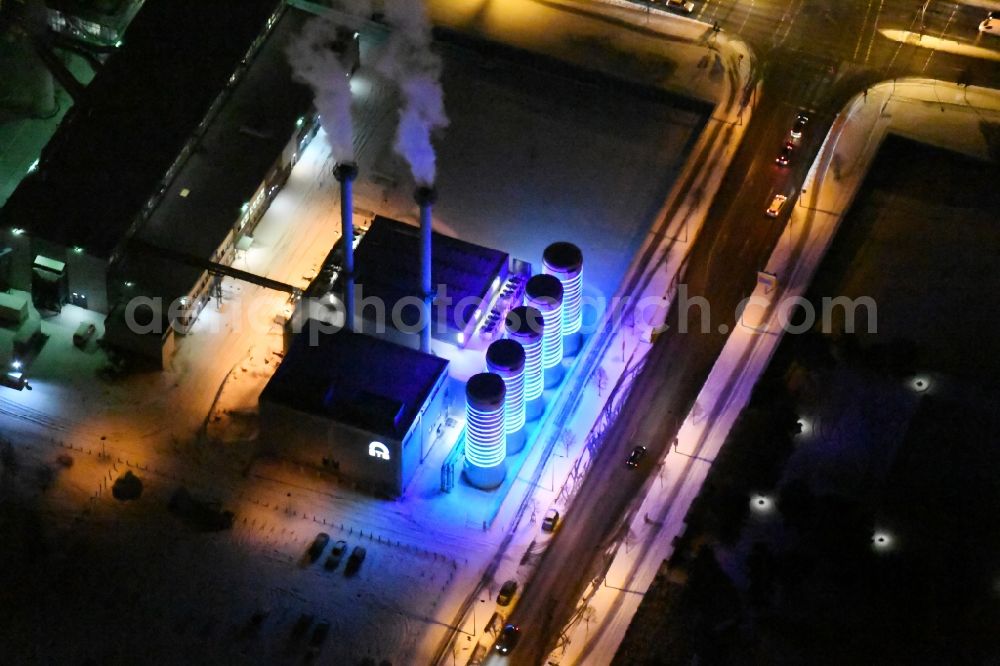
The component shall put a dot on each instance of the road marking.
(861, 33)
(871, 42)
(885, 33)
(944, 31)
(790, 15)
(747, 17)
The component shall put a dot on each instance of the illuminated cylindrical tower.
(545, 293)
(565, 261)
(525, 325)
(485, 432)
(506, 358)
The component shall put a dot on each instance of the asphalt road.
(815, 55)
(846, 34)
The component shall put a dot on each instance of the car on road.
(683, 6)
(506, 593)
(336, 553)
(317, 546)
(991, 24)
(508, 638)
(777, 203)
(800, 124)
(550, 520)
(355, 560)
(785, 156)
(634, 458)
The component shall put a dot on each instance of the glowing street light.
(762, 505)
(882, 541)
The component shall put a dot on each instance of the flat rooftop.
(239, 146)
(355, 379)
(387, 266)
(112, 149)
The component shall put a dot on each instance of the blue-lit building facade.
(565, 261)
(485, 430)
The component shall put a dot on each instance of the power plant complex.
(366, 386)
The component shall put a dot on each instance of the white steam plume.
(315, 63)
(409, 61)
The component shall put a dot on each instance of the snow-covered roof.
(355, 379)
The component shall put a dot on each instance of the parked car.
(785, 156)
(685, 6)
(84, 332)
(508, 638)
(507, 592)
(336, 554)
(302, 624)
(317, 546)
(550, 520)
(355, 560)
(202, 514)
(777, 203)
(318, 636)
(634, 458)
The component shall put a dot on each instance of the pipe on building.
(346, 172)
(425, 198)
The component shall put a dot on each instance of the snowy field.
(112, 583)
(529, 158)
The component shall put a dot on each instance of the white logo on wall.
(378, 450)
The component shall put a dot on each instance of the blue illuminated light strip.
(485, 439)
(515, 401)
(552, 344)
(572, 305)
(534, 381)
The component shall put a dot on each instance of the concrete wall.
(319, 442)
(88, 275)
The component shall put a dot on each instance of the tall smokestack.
(346, 172)
(425, 197)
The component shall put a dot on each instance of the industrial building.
(387, 272)
(97, 23)
(207, 214)
(363, 408)
(129, 201)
